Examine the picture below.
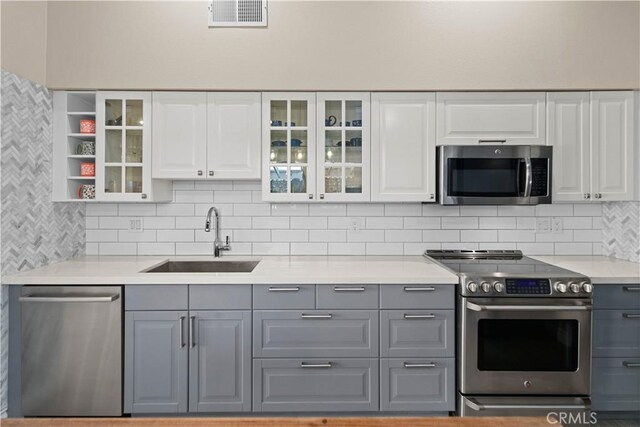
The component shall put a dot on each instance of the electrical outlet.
(543, 225)
(136, 225)
(556, 225)
(355, 225)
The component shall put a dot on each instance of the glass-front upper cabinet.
(343, 146)
(289, 146)
(123, 145)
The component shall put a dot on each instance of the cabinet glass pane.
(278, 146)
(279, 178)
(113, 146)
(133, 179)
(134, 146)
(299, 113)
(353, 112)
(113, 112)
(134, 112)
(278, 113)
(299, 146)
(298, 179)
(353, 148)
(113, 179)
(333, 146)
(333, 180)
(333, 113)
(353, 180)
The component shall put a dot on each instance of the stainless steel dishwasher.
(71, 350)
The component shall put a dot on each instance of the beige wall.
(24, 38)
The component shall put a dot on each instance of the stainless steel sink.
(205, 267)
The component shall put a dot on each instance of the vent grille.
(238, 13)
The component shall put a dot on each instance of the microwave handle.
(528, 177)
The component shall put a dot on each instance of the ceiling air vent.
(238, 13)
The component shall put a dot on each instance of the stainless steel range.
(524, 334)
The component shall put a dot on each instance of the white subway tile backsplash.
(258, 228)
(92, 248)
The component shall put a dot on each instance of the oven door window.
(470, 177)
(528, 345)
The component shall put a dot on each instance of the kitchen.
(332, 171)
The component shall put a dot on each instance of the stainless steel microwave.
(494, 175)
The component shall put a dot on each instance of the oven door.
(494, 175)
(525, 346)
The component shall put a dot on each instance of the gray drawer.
(156, 297)
(417, 296)
(417, 385)
(219, 297)
(417, 333)
(284, 385)
(616, 333)
(327, 333)
(614, 386)
(616, 296)
(278, 297)
(347, 296)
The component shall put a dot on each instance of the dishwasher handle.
(76, 298)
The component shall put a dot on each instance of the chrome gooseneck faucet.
(217, 243)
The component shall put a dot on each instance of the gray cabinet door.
(220, 361)
(156, 297)
(305, 385)
(156, 362)
(616, 296)
(615, 384)
(281, 297)
(347, 296)
(417, 385)
(616, 333)
(417, 333)
(327, 333)
(417, 296)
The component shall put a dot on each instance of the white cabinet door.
(179, 135)
(289, 146)
(233, 124)
(343, 146)
(403, 165)
(469, 118)
(568, 133)
(612, 154)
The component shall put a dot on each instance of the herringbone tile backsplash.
(621, 230)
(34, 231)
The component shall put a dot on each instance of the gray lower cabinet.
(312, 333)
(616, 333)
(307, 385)
(417, 385)
(615, 384)
(417, 333)
(220, 361)
(156, 362)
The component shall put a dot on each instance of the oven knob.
(560, 287)
(486, 287)
(472, 287)
(498, 286)
(587, 287)
(575, 288)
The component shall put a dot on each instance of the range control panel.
(568, 287)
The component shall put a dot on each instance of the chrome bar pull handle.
(419, 288)
(316, 365)
(285, 289)
(182, 343)
(631, 315)
(419, 365)
(492, 141)
(192, 328)
(316, 316)
(631, 364)
(349, 288)
(77, 298)
(631, 288)
(419, 316)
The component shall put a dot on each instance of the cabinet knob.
(143, 195)
(431, 196)
(598, 196)
(587, 196)
(210, 173)
(322, 197)
(200, 173)
(310, 196)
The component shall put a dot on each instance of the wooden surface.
(282, 422)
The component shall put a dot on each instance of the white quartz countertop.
(600, 269)
(109, 270)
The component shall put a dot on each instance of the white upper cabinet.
(199, 135)
(592, 138)
(233, 123)
(403, 147)
(612, 172)
(470, 118)
(179, 135)
(568, 132)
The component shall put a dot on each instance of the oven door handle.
(477, 406)
(479, 307)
